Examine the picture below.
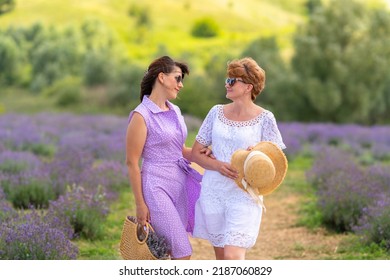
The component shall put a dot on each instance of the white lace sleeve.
(205, 130)
(271, 131)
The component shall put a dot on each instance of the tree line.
(338, 71)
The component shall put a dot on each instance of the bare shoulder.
(137, 121)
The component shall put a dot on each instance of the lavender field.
(61, 173)
(58, 176)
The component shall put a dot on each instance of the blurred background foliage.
(325, 60)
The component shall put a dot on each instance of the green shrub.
(119, 95)
(10, 57)
(13, 167)
(33, 193)
(6, 6)
(56, 58)
(40, 149)
(141, 13)
(205, 27)
(39, 83)
(97, 68)
(66, 91)
(125, 89)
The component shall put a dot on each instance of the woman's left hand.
(227, 170)
(208, 152)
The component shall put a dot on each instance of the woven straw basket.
(131, 248)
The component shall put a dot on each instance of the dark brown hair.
(163, 64)
(250, 72)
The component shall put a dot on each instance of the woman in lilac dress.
(165, 187)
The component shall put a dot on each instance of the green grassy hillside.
(170, 21)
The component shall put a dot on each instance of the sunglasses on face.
(232, 81)
(179, 79)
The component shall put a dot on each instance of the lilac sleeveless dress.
(170, 186)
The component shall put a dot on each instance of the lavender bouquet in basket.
(157, 245)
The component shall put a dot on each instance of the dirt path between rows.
(280, 237)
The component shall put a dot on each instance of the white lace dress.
(225, 214)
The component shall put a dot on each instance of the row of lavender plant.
(70, 168)
(352, 197)
(369, 144)
(351, 175)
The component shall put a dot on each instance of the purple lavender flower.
(46, 153)
(14, 162)
(23, 179)
(110, 174)
(330, 161)
(374, 224)
(67, 168)
(84, 209)
(344, 188)
(6, 210)
(27, 237)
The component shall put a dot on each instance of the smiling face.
(247, 71)
(237, 88)
(164, 73)
(173, 82)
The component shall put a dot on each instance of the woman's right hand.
(143, 214)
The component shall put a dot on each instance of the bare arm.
(135, 142)
(211, 163)
(187, 153)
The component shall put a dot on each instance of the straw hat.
(261, 170)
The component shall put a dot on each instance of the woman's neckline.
(242, 121)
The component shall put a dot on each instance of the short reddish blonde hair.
(250, 72)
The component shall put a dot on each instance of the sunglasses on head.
(232, 81)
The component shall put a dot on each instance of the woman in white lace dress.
(226, 215)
